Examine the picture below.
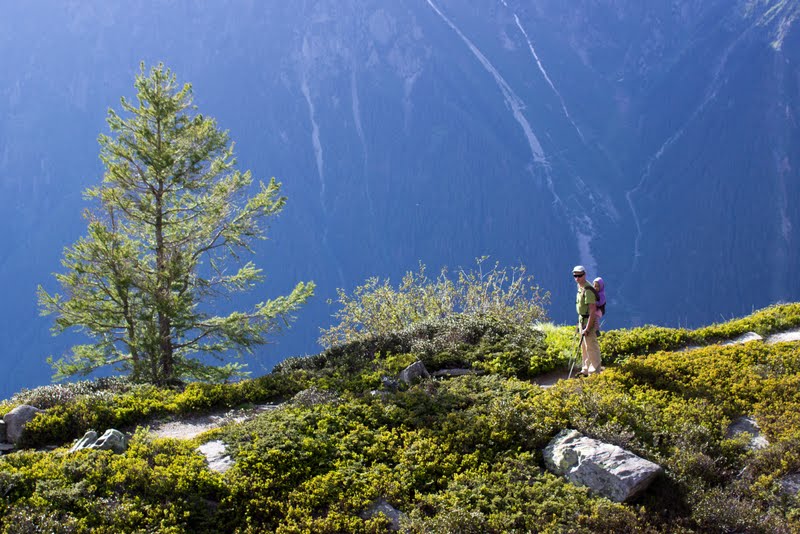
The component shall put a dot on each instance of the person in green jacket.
(588, 327)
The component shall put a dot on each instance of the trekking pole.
(575, 356)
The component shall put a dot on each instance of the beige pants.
(590, 351)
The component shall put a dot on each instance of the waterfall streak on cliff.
(511, 98)
(546, 77)
(711, 94)
(581, 227)
(315, 141)
(360, 132)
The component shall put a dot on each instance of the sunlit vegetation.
(459, 454)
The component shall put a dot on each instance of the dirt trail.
(195, 425)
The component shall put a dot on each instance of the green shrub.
(157, 485)
(376, 308)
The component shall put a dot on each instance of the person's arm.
(592, 319)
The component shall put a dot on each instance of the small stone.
(747, 425)
(382, 507)
(414, 372)
(216, 456)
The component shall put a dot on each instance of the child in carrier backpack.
(600, 289)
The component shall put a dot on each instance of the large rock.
(414, 372)
(3, 431)
(606, 469)
(747, 425)
(16, 420)
(111, 440)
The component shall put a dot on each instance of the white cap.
(579, 269)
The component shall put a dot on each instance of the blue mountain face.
(656, 143)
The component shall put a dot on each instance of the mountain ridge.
(669, 143)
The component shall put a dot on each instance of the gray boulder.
(606, 469)
(414, 372)
(747, 425)
(111, 440)
(16, 419)
(790, 484)
(3, 431)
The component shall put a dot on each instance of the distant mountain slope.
(654, 142)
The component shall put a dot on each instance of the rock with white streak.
(783, 337)
(111, 440)
(88, 439)
(606, 469)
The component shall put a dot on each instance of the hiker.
(588, 322)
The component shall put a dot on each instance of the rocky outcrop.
(747, 425)
(16, 419)
(413, 373)
(111, 440)
(606, 469)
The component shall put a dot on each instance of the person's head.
(579, 274)
(598, 284)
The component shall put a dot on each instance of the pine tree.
(170, 219)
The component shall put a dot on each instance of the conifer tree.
(166, 231)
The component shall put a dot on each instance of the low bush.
(156, 486)
(456, 455)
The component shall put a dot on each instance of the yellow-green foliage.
(456, 455)
(621, 344)
(156, 486)
(103, 409)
